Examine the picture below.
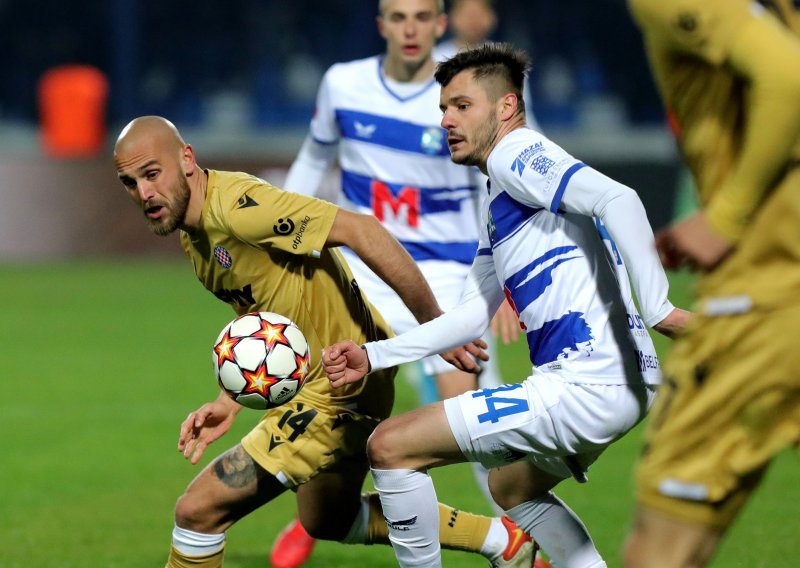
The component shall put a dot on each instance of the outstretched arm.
(379, 250)
(455, 329)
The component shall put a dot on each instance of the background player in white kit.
(379, 117)
(561, 240)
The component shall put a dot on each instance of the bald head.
(160, 174)
(154, 129)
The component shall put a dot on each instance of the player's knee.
(383, 447)
(502, 493)
(192, 515)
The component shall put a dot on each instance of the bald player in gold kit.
(259, 248)
(729, 74)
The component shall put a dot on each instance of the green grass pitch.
(102, 361)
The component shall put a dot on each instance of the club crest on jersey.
(521, 162)
(432, 140)
(223, 257)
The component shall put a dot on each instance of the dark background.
(262, 59)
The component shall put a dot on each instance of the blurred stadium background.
(105, 332)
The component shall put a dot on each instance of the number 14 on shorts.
(499, 406)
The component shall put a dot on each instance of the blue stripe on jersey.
(525, 289)
(484, 252)
(562, 186)
(507, 217)
(557, 336)
(393, 133)
(459, 252)
(606, 236)
(358, 189)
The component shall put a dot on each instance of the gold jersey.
(260, 248)
(707, 87)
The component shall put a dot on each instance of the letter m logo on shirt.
(407, 199)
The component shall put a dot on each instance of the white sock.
(411, 511)
(496, 540)
(193, 543)
(482, 479)
(559, 532)
(360, 529)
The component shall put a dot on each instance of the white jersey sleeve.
(310, 167)
(467, 321)
(544, 175)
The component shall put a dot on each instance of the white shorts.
(562, 427)
(446, 279)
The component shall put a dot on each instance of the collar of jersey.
(382, 79)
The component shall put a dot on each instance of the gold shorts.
(299, 439)
(730, 401)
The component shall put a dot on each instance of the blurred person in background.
(239, 233)
(472, 23)
(379, 117)
(729, 75)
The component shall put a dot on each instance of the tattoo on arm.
(235, 468)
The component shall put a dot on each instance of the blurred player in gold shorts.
(729, 74)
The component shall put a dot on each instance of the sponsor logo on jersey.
(246, 201)
(283, 227)
(223, 257)
(298, 236)
(403, 525)
(432, 140)
(364, 130)
(407, 198)
(521, 161)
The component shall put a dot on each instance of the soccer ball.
(261, 360)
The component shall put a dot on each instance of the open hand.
(692, 243)
(205, 425)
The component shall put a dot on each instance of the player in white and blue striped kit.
(563, 243)
(378, 117)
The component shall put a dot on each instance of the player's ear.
(441, 25)
(508, 106)
(381, 26)
(188, 163)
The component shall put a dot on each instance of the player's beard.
(175, 210)
(481, 139)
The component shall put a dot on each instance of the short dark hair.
(490, 60)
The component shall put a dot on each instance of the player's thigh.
(454, 382)
(417, 439)
(522, 481)
(226, 490)
(328, 504)
(730, 401)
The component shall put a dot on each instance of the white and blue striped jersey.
(546, 244)
(395, 161)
